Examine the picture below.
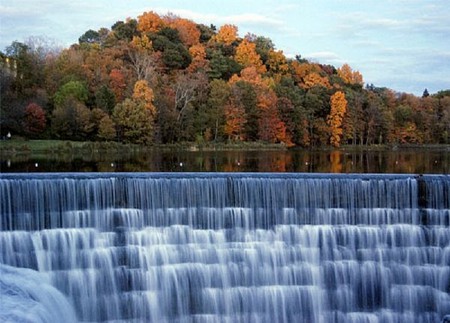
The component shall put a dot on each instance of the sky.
(400, 44)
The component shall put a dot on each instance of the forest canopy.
(167, 79)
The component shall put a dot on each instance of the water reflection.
(338, 161)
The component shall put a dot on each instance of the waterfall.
(222, 247)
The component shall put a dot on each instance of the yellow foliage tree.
(227, 34)
(251, 75)
(141, 43)
(314, 79)
(277, 62)
(334, 120)
(247, 56)
(143, 93)
(349, 76)
(199, 61)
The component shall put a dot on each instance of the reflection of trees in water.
(338, 161)
(335, 162)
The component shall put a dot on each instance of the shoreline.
(9, 148)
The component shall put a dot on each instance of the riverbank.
(56, 147)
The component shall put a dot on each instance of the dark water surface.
(412, 161)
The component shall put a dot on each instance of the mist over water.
(244, 247)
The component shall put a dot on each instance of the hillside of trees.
(166, 79)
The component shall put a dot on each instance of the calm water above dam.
(223, 247)
(412, 161)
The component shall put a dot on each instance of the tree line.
(166, 79)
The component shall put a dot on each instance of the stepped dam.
(224, 247)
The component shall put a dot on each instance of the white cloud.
(245, 18)
(326, 57)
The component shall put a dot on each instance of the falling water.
(225, 247)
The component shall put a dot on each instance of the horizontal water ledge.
(88, 175)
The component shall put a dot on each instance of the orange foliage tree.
(143, 92)
(300, 70)
(337, 112)
(234, 121)
(150, 22)
(118, 84)
(271, 128)
(187, 29)
(251, 75)
(309, 75)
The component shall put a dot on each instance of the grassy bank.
(55, 147)
(19, 146)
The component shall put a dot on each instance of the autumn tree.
(271, 128)
(227, 34)
(187, 29)
(106, 129)
(337, 112)
(315, 79)
(134, 122)
(150, 22)
(349, 76)
(140, 53)
(277, 63)
(143, 93)
(199, 62)
(234, 121)
(232, 109)
(196, 83)
(35, 120)
(117, 84)
(309, 75)
(247, 56)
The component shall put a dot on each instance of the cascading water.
(225, 247)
